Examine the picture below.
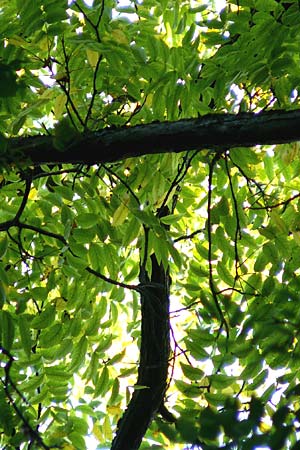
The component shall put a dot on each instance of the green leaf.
(193, 373)
(25, 334)
(244, 156)
(189, 390)
(175, 255)
(220, 381)
(2, 294)
(78, 354)
(209, 424)
(87, 220)
(115, 391)
(224, 274)
(7, 326)
(3, 246)
(51, 336)
(8, 83)
(102, 383)
(251, 370)
(6, 416)
(187, 429)
(45, 318)
(261, 262)
(59, 373)
(259, 380)
(196, 350)
(74, 78)
(95, 256)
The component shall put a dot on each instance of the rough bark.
(215, 132)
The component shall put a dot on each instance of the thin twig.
(67, 89)
(276, 205)
(94, 93)
(181, 173)
(189, 236)
(128, 187)
(114, 282)
(27, 226)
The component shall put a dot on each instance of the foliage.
(72, 237)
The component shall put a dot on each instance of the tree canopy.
(149, 224)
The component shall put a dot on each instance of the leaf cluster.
(72, 238)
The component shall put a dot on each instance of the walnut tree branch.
(211, 132)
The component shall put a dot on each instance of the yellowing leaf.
(44, 43)
(17, 41)
(107, 431)
(158, 187)
(278, 221)
(92, 57)
(33, 194)
(68, 447)
(296, 235)
(139, 387)
(60, 76)
(59, 106)
(97, 432)
(20, 72)
(3, 245)
(114, 410)
(264, 427)
(149, 100)
(60, 303)
(119, 36)
(121, 212)
(288, 153)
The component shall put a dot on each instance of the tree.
(149, 273)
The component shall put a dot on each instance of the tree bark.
(213, 132)
(148, 398)
(154, 360)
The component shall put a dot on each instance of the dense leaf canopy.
(168, 277)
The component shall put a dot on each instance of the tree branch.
(214, 131)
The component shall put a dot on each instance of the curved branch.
(4, 226)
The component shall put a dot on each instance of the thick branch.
(154, 360)
(154, 356)
(218, 132)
